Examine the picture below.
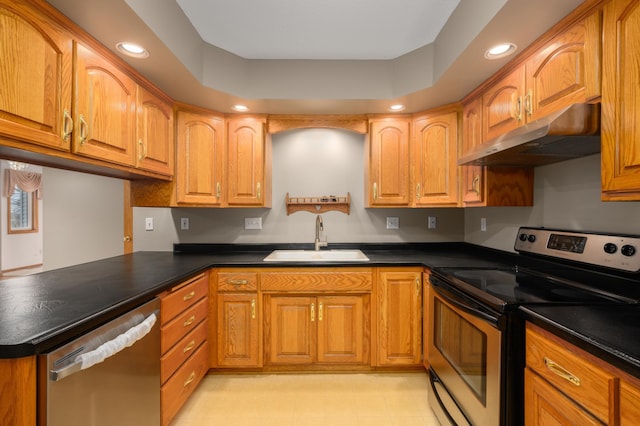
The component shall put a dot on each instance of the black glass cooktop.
(520, 286)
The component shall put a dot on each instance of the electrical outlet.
(393, 223)
(431, 223)
(252, 223)
(148, 223)
(483, 224)
(184, 223)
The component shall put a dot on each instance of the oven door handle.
(450, 298)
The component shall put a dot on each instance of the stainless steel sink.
(316, 256)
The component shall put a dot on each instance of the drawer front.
(183, 297)
(177, 328)
(315, 280)
(182, 384)
(237, 281)
(579, 379)
(181, 351)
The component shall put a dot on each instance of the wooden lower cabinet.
(565, 385)
(306, 330)
(399, 318)
(238, 330)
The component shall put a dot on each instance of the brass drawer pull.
(238, 282)
(190, 379)
(189, 296)
(313, 312)
(320, 306)
(253, 308)
(190, 346)
(190, 321)
(558, 370)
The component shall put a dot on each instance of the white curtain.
(26, 181)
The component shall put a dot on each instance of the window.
(23, 212)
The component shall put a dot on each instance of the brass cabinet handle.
(313, 312)
(218, 190)
(127, 238)
(258, 190)
(238, 282)
(528, 103)
(320, 312)
(190, 321)
(142, 150)
(475, 184)
(518, 111)
(67, 125)
(190, 379)
(560, 371)
(189, 296)
(84, 130)
(418, 192)
(418, 285)
(253, 308)
(190, 346)
(375, 191)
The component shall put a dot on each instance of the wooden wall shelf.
(318, 205)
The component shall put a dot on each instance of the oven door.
(465, 354)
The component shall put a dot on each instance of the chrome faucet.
(319, 227)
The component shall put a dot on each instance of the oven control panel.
(608, 250)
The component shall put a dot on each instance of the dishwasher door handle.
(106, 350)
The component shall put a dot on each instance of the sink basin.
(316, 256)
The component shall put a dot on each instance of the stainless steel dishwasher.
(110, 376)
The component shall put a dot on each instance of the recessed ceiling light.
(396, 107)
(240, 108)
(500, 51)
(132, 49)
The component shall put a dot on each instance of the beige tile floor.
(369, 399)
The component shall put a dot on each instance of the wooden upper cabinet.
(566, 70)
(154, 133)
(200, 159)
(434, 156)
(620, 108)
(387, 182)
(472, 176)
(104, 113)
(36, 76)
(502, 109)
(248, 169)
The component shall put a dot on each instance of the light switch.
(431, 222)
(148, 224)
(184, 223)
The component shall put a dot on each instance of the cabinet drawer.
(181, 351)
(183, 297)
(177, 328)
(237, 281)
(182, 384)
(316, 280)
(576, 377)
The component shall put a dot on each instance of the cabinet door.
(388, 165)
(105, 109)
(36, 75)
(545, 405)
(154, 123)
(620, 107)
(629, 404)
(200, 163)
(238, 330)
(400, 319)
(472, 176)
(503, 107)
(291, 330)
(246, 163)
(565, 71)
(342, 336)
(434, 160)
(426, 319)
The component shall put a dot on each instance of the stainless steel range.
(476, 337)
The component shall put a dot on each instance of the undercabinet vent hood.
(570, 133)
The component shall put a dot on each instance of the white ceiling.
(255, 52)
(312, 29)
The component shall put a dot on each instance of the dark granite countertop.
(609, 332)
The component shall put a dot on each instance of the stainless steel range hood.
(570, 133)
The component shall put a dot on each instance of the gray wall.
(83, 218)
